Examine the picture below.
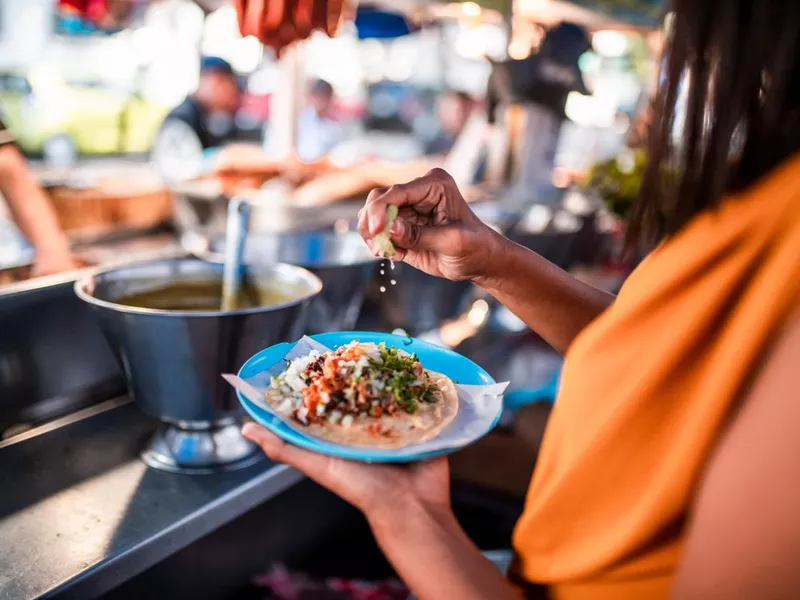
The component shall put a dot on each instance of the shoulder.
(188, 110)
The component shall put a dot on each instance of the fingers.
(406, 234)
(423, 194)
(375, 212)
(313, 465)
(354, 482)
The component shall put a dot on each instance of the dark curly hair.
(727, 110)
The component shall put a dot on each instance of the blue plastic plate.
(458, 368)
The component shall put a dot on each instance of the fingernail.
(397, 228)
(374, 224)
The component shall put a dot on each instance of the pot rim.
(218, 257)
(84, 290)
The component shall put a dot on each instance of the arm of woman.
(34, 214)
(408, 508)
(438, 233)
(436, 559)
(744, 534)
(549, 300)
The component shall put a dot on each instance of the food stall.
(111, 497)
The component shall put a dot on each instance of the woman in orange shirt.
(670, 464)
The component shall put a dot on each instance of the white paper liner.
(478, 405)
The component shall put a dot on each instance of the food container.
(172, 359)
(341, 260)
(98, 210)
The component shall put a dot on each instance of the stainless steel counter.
(80, 513)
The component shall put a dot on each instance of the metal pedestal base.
(200, 448)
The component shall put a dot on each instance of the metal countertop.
(80, 513)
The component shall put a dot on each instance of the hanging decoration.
(278, 23)
(86, 17)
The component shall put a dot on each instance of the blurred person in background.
(318, 130)
(32, 211)
(669, 465)
(453, 109)
(203, 122)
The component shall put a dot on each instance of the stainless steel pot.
(341, 260)
(172, 360)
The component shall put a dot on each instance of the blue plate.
(456, 367)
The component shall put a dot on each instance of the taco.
(364, 395)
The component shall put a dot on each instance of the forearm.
(29, 206)
(549, 300)
(436, 559)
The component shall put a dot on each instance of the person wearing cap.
(203, 121)
(453, 110)
(318, 132)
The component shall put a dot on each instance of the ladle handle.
(235, 236)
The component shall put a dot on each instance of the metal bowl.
(172, 360)
(341, 260)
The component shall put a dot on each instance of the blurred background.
(134, 124)
(86, 87)
(138, 122)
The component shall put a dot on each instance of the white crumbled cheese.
(324, 397)
(371, 351)
(296, 368)
(302, 415)
(286, 407)
(347, 420)
(349, 394)
(320, 409)
(335, 416)
(378, 385)
(360, 365)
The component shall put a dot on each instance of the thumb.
(424, 238)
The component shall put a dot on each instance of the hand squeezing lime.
(382, 241)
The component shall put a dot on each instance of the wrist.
(409, 520)
(53, 248)
(494, 251)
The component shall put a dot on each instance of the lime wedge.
(382, 241)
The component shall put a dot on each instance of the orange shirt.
(646, 390)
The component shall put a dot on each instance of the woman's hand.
(408, 508)
(52, 262)
(381, 492)
(435, 231)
